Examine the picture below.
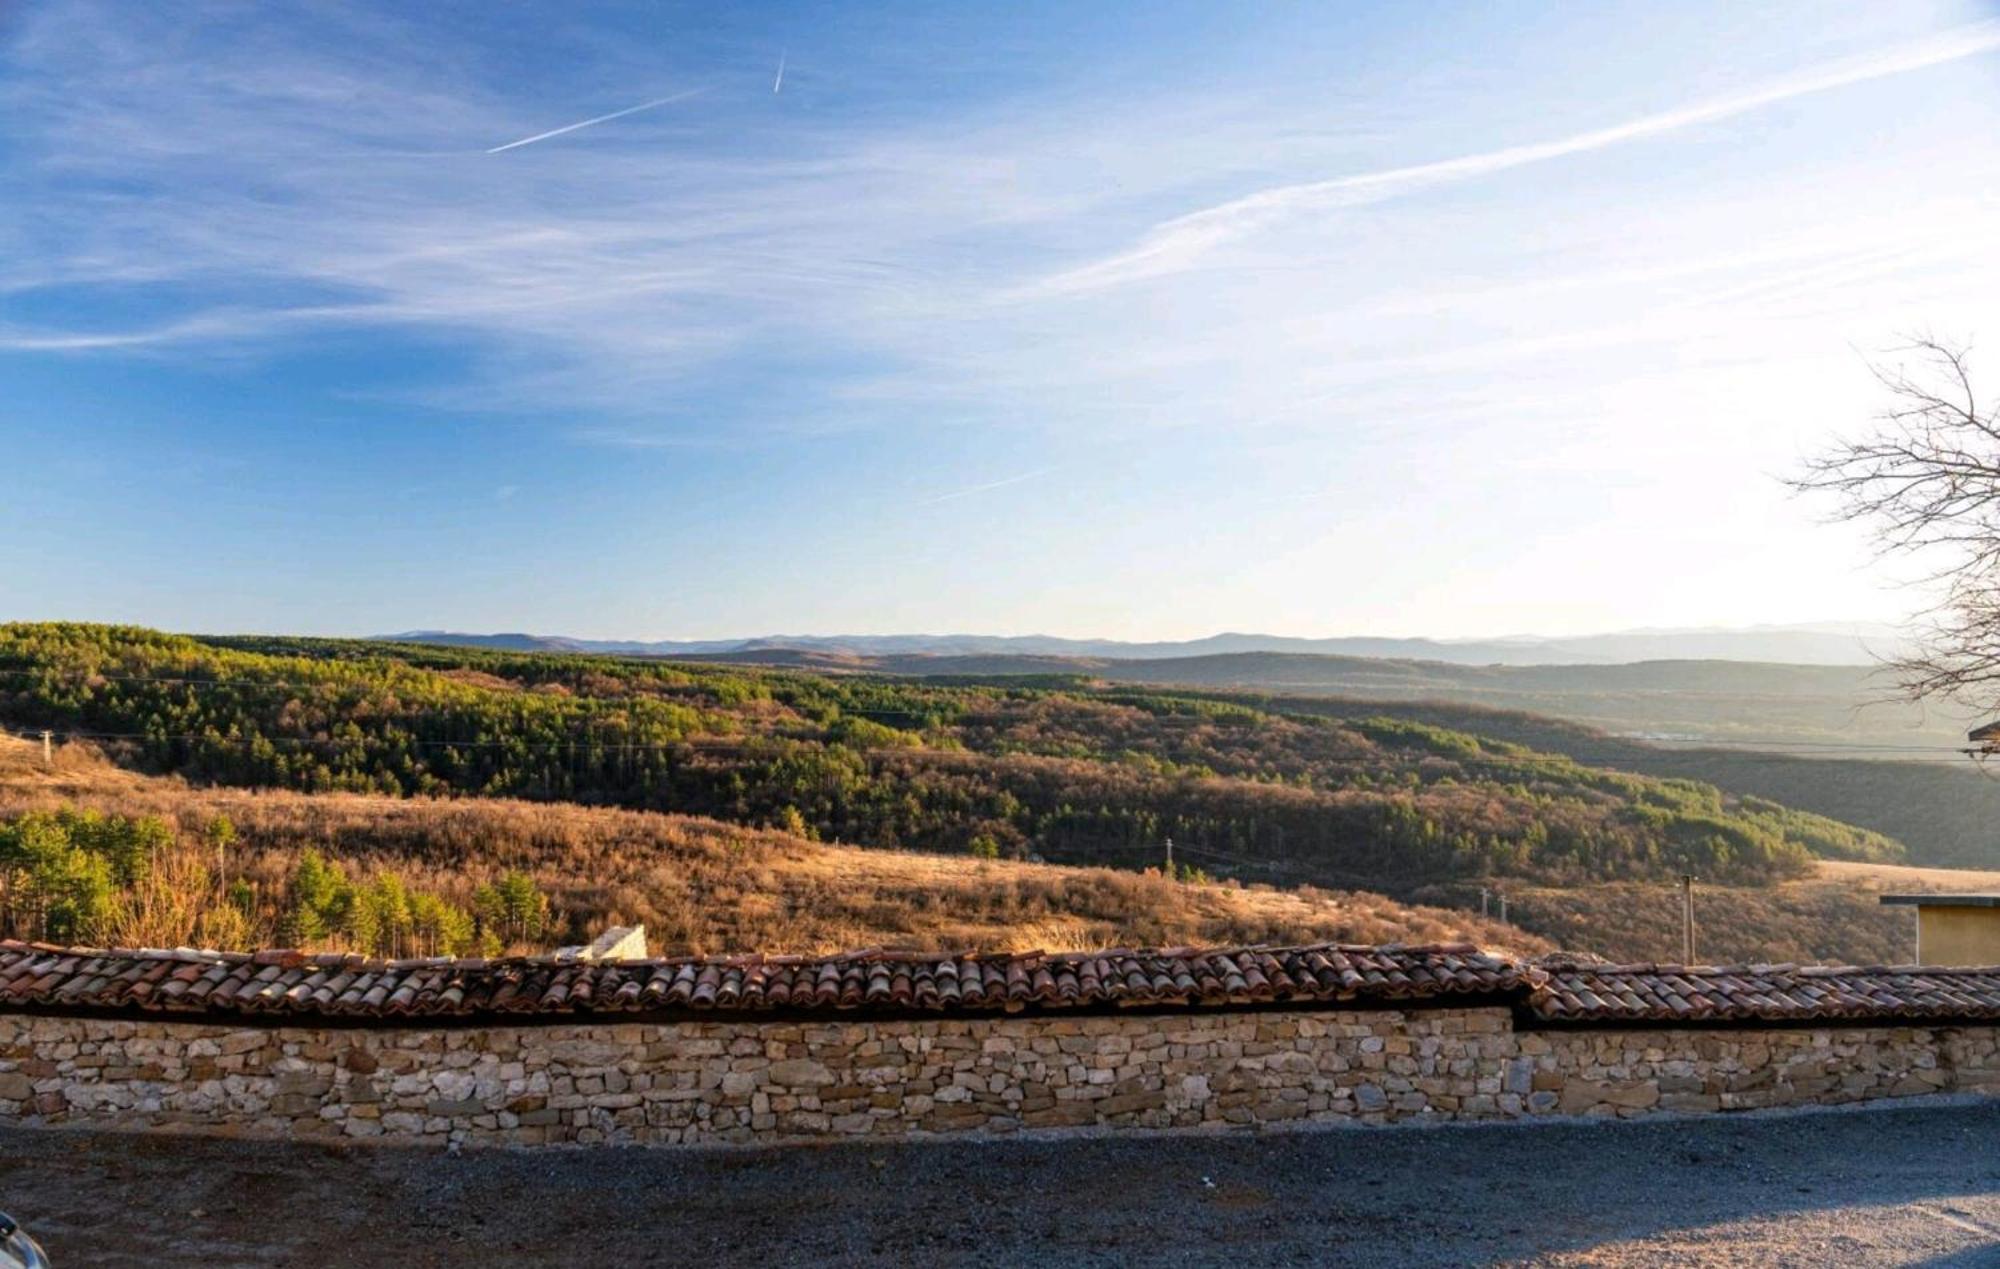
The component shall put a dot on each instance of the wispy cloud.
(874, 270)
(717, 291)
(1184, 241)
(591, 123)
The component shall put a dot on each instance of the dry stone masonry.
(734, 1081)
(1169, 1040)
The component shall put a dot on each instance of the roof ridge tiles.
(1570, 988)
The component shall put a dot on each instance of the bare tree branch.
(1927, 480)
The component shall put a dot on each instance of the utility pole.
(1170, 859)
(1485, 898)
(1687, 918)
(48, 748)
(1503, 907)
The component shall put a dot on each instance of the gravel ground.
(1913, 1184)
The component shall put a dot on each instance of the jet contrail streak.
(586, 123)
(956, 494)
(779, 82)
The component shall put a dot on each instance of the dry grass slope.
(708, 887)
(1835, 916)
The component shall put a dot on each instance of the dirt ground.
(1890, 1186)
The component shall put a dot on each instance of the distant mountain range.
(1823, 644)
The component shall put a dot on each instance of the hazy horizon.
(1803, 627)
(1456, 321)
(1859, 629)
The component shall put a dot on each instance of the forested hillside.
(1945, 814)
(162, 863)
(1072, 774)
(1772, 706)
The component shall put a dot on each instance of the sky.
(1132, 321)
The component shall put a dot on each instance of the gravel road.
(1913, 1184)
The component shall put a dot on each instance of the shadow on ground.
(1904, 1185)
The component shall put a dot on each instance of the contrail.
(1177, 244)
(616, 114)
(991, 484)
(779, 82)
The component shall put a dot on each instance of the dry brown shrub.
(703, 886)
(1823, 920)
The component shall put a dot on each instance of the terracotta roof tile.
(283, 982)
(1575, 991)
(286, 983)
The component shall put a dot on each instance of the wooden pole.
(1687, 918)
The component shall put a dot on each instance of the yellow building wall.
(1958, 936)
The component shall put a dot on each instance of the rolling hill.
(699, 886)
(732, 806)
(1833, 643)
(1945, 814)
(1813, 737)
(1806, 709)
(1075, 774)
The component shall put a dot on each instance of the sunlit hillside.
(1067, 773)
(703, 886)
(816, 811)
(1831, 917)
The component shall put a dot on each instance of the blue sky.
(1137, 321)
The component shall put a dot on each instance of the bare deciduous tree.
(1926, 478)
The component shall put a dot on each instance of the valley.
(1795, 708)
(1825, 739)
(736, 807)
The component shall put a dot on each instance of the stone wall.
(742, 1081)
